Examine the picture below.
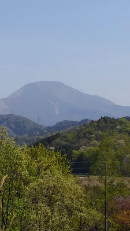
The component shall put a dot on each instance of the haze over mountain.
(50, 102)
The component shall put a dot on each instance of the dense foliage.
(82, 145)
(39, 193)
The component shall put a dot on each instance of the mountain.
(50, 102)
(19, 126)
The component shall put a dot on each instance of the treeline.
(65, 124)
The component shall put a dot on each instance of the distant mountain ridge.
(21, 126)
(47, 103)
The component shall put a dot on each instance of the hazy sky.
(83, 43)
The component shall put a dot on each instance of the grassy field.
(96, 180)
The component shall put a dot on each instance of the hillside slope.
(27, 131)
(19, 126)
(81, 144)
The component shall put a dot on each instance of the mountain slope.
(50, 102)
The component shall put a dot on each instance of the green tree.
(12, 164)
(40, 193)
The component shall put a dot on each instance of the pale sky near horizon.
(82, 43)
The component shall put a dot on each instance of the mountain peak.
(31, 86)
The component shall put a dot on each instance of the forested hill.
(81, 144)
(19, 126)
(89, 134)
(27, 131)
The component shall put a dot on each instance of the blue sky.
(83, 43)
